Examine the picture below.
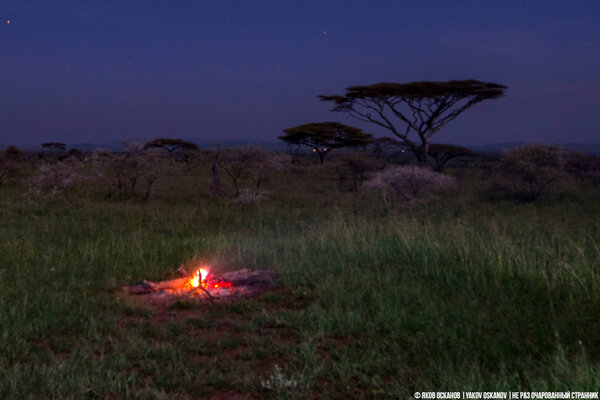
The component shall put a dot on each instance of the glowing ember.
(207, 281)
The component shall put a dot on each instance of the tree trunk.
(439, 162)
(216, 181)
(424, 153)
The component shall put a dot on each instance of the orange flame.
(204, 279)
(199, 276)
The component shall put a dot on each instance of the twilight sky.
(98, 71)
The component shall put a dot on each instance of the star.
(8, 21)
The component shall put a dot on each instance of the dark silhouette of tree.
(171, 145)
(54, 151)
(355, 165)
(10, 163)
(583, 166)
(422, 108)
(442, 153)
(239, 163)
(54, 146)
(324, 137)
(132, 172)
(531, 170)
(13, 152)
(383, 146)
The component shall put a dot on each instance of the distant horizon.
(113, 144)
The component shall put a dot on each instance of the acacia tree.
(171, 145)
(54, 146)
(442, 153)
(324, 137)
(422, 108)
(239, 162)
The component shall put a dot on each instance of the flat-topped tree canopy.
(324, 137)
(171, 145)
(54, 146)
(428, 89)
(442, 153)
(423, 107)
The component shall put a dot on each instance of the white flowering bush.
(54, 179)
(410, 183)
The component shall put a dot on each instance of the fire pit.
(202, 285)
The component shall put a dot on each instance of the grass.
(372, 303)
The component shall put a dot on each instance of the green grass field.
(371, 303)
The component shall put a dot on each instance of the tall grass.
(377, 303)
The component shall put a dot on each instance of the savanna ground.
(373, 300)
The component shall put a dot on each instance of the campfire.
(204, 280)
(204, 285)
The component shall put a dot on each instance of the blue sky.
(98, 71)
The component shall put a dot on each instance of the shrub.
(266, 166)
(411, 183)
(354, 166)
(10, 166)
(13, 153)
(54, 179)
(584, 167)
(528, 172)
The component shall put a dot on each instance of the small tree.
(171, 146)
(442, 153)
(266, 166)
(422, 107)
(132, 172)
(583, 166)
(238, 163)
(324, 137)
(14, 153)
(356, 165)
(529, 171)
(10, 164)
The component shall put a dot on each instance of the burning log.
(246, 277)
(148, 287)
